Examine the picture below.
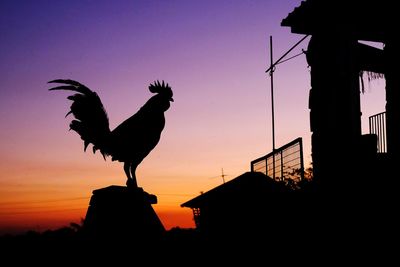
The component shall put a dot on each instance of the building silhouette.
(353, 182)
(342, 156)
(245, 202)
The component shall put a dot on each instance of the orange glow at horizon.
(27, 202)
(19, 217)
(38, 207)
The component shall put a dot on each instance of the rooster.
(133, 139)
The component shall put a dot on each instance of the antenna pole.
(271, 70)
(271, 73)
(223, 176)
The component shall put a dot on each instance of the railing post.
(377, 126)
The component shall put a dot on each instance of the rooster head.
(162, 88)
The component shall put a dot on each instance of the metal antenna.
(223, 175)
(271, 70)
(271, 73)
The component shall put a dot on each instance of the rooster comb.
(158, 87)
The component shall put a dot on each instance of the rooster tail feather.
(73, 86)
(86, 144)
(69, 112)
(91, 120)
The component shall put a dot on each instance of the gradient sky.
(212, 53)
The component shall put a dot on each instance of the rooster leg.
(130, 170)
(133, 181)
(127, 167)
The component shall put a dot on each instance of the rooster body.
(133, 139)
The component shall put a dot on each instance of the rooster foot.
(131, 183)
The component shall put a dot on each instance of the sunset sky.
(213, 54)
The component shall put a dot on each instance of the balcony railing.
(283, 164)
(377, 126)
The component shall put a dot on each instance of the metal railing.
(289, 164)
(377, 126)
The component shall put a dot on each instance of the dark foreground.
(337, 227)
(339, 242)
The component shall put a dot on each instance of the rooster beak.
(171, 99)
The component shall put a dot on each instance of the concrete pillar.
(335, 116)
(392, 72)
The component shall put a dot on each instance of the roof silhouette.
(249, 186)
(368, 20)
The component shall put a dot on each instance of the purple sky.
(212, 53)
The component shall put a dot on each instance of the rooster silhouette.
(133, 139)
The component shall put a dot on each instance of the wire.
(299, 54)
(284, 55)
